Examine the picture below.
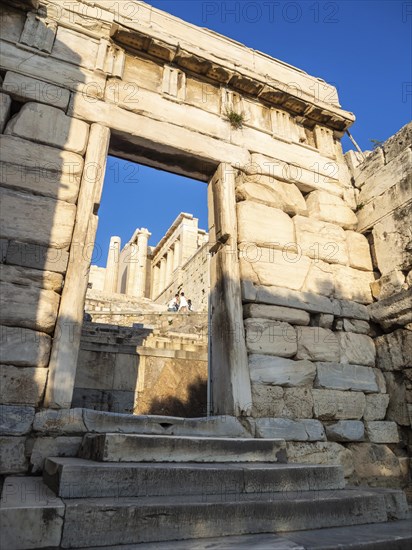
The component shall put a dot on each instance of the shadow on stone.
(194, 406)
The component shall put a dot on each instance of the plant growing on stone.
(236, 119)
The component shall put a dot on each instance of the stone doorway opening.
(136, 356)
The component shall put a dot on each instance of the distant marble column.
(112, 265)
(176, 255)
(137, 275)
(140, 280)
(162, 277)
(155, 281)
(169, 266)
(131, 268)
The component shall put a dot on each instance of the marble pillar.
(112, 265)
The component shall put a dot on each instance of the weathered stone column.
(138, 283)
(131, 269)
(162, 277)
(112, 265)
(169, 266)
(176, 255)
(66, 343)
(155, 281)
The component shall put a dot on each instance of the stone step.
(79, 478)
(31, 516)
(394, 535)
(105, 521)
(112, 447)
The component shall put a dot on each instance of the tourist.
(174, 304)
(189, 305)
(183, 305)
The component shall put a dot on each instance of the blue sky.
(364, 48)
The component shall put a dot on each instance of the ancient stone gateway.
(292, 280)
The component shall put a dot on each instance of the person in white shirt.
(174, 304)
(183, 305)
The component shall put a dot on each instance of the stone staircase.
(148, 491)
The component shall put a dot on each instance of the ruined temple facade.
(310, 254)
(179, 262)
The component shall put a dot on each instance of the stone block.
(25, 88)
(393, 311)
(215, 426)
(397, 408)
(286, 314)
(368, 167)
(125, 372)
(5, 106)
(320, 279)
(115, 401)
(34, 155)
(15, 420)
(385, 178)
(50, 126)
(31, 277)
(41, 170)
(270, 337)
(356, 349)
(359, 251)
(23, 347)
(35, 256)
(44, 447)
(352, 284)
(22, 385)
(95, 370)
(382, 432)
(330, 208)
(31, 514)
(376, 464)
(30, 307)
(267, 266)
(291, 298)
(274, 193)
(267, 400)
(376, 405)
(114, 447)
(13, 459)
(352, 310)
(276, 371)
(394, 350)
(391, 238)
(345, 430)
(320, 453)
(321, 240)
(52, 219)
(298, 403)
(263, 225)
(389, 284)
(356, 325)
(398, 196)
(64, 421)
(338, 405)
(317, 344)
(337, 376)
(290, 430)
(323, 320)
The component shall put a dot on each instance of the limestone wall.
(384, 183)
(96, 277)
